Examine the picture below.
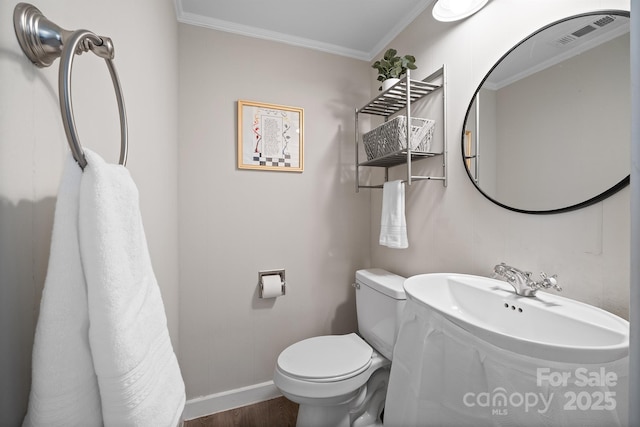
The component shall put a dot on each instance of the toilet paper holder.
(279, 272)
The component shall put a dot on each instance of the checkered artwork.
(272, 161)
(270, 137)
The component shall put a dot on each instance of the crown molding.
(245, 30)
(250, 31)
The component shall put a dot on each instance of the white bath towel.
(102, 354)
(64, 387)
(138, 374)
(393, 224)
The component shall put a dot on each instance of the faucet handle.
(549, 282)
(555, 284)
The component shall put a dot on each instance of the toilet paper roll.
(271, 286)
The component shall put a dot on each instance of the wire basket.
(391, 136)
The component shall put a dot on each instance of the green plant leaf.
(393, 66)
(390, 53)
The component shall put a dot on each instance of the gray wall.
(235, 222)
(634, 350)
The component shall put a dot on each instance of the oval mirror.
(549, 128)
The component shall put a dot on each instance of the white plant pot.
(386, 84)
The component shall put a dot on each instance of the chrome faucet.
(522, 281)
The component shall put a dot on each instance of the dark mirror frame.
(614, 189)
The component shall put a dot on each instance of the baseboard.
(219, 402)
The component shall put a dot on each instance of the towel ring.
(42, 41)
(64, 89)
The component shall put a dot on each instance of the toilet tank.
(380, 299)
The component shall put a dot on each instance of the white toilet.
(341, 380)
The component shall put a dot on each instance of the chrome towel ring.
(43, 41)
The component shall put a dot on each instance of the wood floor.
(279, 412)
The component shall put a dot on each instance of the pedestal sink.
(470, 352)
(546, 326)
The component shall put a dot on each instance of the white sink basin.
(546, 326)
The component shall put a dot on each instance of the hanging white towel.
(393, 224)
(102, 353)
(138, 373)
(64, 387)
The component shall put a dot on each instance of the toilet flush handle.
(356, 285)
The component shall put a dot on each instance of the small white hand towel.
(138, 373)
(64, 387)
(393, 224)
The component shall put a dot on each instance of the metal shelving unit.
(395, 99)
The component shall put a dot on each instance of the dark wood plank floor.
(279, 412)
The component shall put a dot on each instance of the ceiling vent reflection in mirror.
(587, 29)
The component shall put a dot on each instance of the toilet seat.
(326, 358)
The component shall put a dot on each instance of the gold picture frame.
(468, 154)
(270, 137)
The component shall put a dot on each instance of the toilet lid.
(329, 358)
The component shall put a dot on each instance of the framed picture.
(468, 154)
(270, 137)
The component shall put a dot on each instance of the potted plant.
(392, 66)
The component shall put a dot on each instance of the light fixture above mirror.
(455, 10)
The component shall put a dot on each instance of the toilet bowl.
(326, 375)
(341, 380)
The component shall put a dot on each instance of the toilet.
(341, 380)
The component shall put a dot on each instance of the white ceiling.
(354, 28)
(554, 45)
